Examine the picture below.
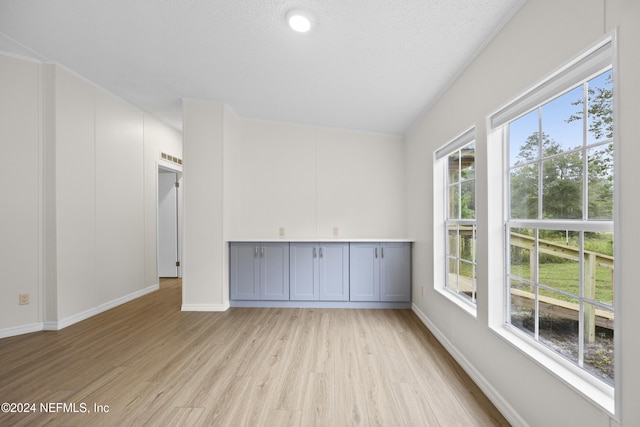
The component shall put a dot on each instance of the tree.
(562, 174)
(599, 110)
(561, 181)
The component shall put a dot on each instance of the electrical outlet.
(23, 299)
(422, 290)
(281, 232)
(336, 231)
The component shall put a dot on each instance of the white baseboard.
(492, 394)
(50, 326)
(205, 307)
(56, 326)
(104, 307)
(19, 330)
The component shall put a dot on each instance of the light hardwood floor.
(152, 364)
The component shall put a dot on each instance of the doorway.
(169, 222)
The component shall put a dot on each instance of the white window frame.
(591, 62)
(441, 221)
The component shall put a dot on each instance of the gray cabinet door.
(303, 272)
(244, 271)
(395, 272)
(364, 272)
(274, 271)
(333, 274)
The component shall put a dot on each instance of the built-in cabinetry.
(320, 272)
(380, 272)
(259, 271)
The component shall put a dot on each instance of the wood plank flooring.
(152, 364)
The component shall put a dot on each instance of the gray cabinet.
(364, 272)
(380, 272)
(395, 272)
(259, 271)
(319, 271)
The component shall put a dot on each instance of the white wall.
(361, 187)
(204, 268)
(100, 231)
(544, 35)
(272, 181)
(75, 195)
(80, 216)
(244, 179)
(310, 179)
(119, 198)
(20, 209)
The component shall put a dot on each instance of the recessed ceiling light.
(299, 21)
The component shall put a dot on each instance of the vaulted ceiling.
(371, 65)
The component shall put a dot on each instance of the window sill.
(594, 390)
(464, 304)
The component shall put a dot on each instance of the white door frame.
(177, 169)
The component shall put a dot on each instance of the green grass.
(564, 276)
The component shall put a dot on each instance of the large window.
(559, 214)
(456, 186)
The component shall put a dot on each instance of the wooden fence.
(553, 306)
(592, 316)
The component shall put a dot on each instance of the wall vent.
(170, 158)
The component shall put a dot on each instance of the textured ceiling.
(370, 65)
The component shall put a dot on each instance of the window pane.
(558, 324)
(454, 273)
(523, 185)
(598, 267)
(598, 342)
(467, 242)
(560, 132)
(452, 249)
(523, 139)
(468, 199)
(560, 172)
(468, 162)
(559, 265)
(454, 202)
(454, 167)
(600, 109)
(562, 187)
(600, 161)
(522, 245)
(466, 280)
(522, 313)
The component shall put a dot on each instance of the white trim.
(492, 394)
(20, 330)
(589, 63)
(162, 165)
(12, 43)
(456, 143)
(50, 326)
(55, 326)
(440, 221)
(167, 165)
(458, 300)
(205, 307)
(588, 386)
(581, 67)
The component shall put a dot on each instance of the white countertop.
(322, 240)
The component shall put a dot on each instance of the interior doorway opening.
(169, 217)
